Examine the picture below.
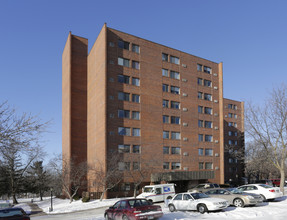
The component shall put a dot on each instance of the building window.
(199, 95)
(136, 81)
(175, 165)
(123, 113)
(175, 105)
(165, 150)
(164, 88)
(124, 44)
(136, 65)
(230, 115)
(136, 166)
(200, 109)
(235, 133)
(230, 160)
(199, 67)
(200, 137)
(207, 69)
(235, 116)
(123, 62)
(230, 124)
(208, 165)
(136, 98)
(200, 165)
(208, 152)
(165, 119)
(208, 124)
(208, 138)
(135, 48)
(200, 123)
(166, 165)
(207, 83)
(208, 111)
(136, 149)
(165, 134)
(123, 96)
(174, 59)
(165, 103)
(136, 115)
(136, 132)
(124, 79)
(124, 131)
(175, 120)
(230, 106)
(200, 151)
(207, 97)
(164, 72)
(174, 75)
(164, 57)
(235, 124)
(199, 81)
(229, 133)
(123, 148)
(174, 89)
(175, 150)
(175, 135)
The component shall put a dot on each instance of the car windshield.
(10, 212)
(265, 186)
(234, 190)
(199, 195)
(148, 189)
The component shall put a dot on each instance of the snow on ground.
(265, 211)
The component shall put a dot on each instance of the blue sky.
(249, 37)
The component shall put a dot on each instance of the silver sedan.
(235, 197)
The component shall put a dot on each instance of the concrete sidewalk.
(35, 210)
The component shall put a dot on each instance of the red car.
(13, 214)
(133, 209)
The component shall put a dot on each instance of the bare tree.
(106, 179)
(19, 144)
(267, 125)
(72, 175)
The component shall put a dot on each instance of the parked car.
(5, 205)
(13, 213)
(133, 209)
(265, 191)
(276, 182)
(235, 197)
(157, 193)
(196, 201)
(203, 187)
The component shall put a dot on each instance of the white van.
(158, 193)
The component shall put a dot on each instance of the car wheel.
(125, 217)
(201, 208)
(263, 197)
(238, 203)
(171, 208)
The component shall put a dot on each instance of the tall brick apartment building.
(157, 107)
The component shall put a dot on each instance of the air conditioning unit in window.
(185, 153)
(215, 74)
(185, 139)
(184, 94)
(185, 124)
(215, 114)
(184, 65)
(216, 141)
(215, 87)
(184, 80)
(184, 109)
(185, 168)
(216, 101)
(216, 128)
(216, 168)
(216, 154)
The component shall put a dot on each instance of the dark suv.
(203, 187)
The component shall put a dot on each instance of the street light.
(51, 209)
